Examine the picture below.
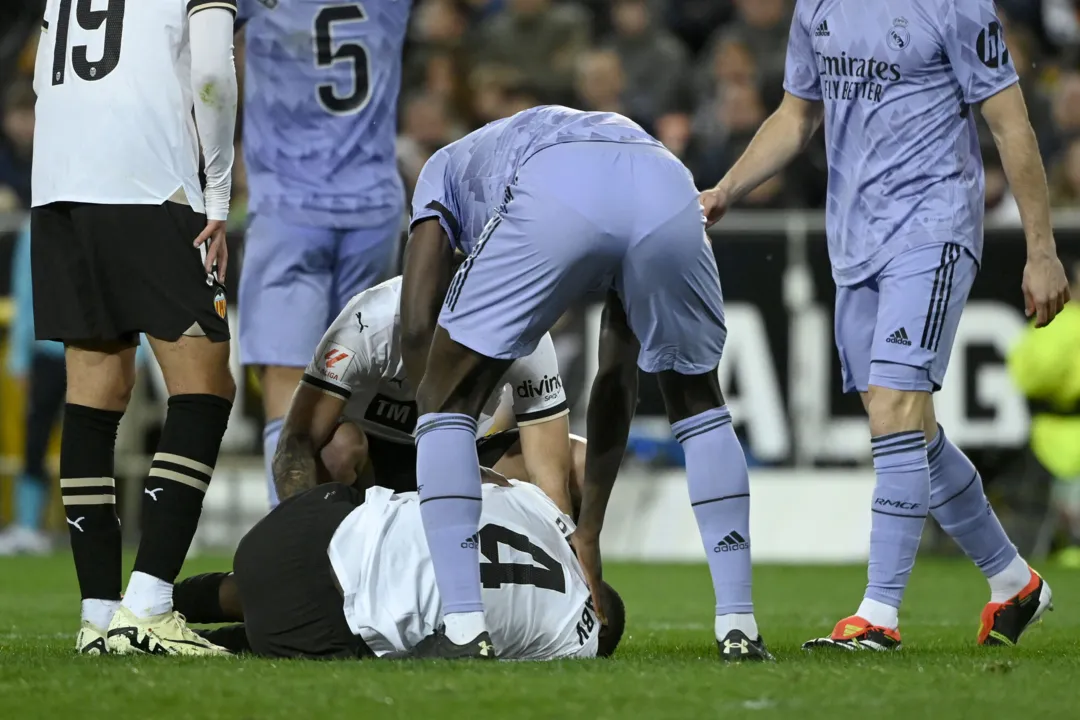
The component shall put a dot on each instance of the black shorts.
(293, 606)
(110, 272)
(394, 463)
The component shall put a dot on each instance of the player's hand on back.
(714, 203)
(1046, 289)
(217, 250)
(587, 548)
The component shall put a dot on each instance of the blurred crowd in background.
(701, 75)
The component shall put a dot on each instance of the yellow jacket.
(1045, 365)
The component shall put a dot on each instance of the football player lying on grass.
(333, 574)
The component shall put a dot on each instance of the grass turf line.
(666, 667)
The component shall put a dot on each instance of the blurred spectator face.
(600, 80)
(438, 21)
(761, 13)
(674, 131)
(1067, 103)
(528, 8)
(741, 108)
(733, 63)
(1072, 166)
(440, 74)
(425, 121)
(518, 100)
(630, 17)
(490, 85)
(19, 117)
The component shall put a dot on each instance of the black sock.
(89, 491)
(198, 598)
(178, 480)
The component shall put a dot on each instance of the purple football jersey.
(320, 110)
(463, 183)
(897, 80)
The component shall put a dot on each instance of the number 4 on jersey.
(494, 573)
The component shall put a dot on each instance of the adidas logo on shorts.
(732, 541)
(899, 337)
(822, 29)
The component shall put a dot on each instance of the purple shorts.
(896, 329)
(296, 279)
(583, 217)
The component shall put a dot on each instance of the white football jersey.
(114, 103)
(536, 600)
(359, 360)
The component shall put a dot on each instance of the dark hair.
(612, 632)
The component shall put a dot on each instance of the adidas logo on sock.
(899, 337)
(822, 29)
(732, 541)
(470, 543)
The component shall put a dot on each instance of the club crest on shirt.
(219, 303)
(898, 36)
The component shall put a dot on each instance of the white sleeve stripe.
(199, 5)
(543, 416)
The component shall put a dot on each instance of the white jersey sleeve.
(350, 355)
(213, 86)
(114, 120)
(537, 386)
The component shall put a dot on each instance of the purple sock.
(448, 480)
(958, 503)
(271, 435)
(899, 507)
(720, 495)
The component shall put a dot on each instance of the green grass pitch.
(666, 667)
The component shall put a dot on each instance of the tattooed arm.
(310, 423)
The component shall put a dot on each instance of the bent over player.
(321, 87)
(125, 241)
(355, 408)
(325, 576)
(905, 231)
(551, 204)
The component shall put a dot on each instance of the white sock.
(464, 627)
(99, 612)
(736, 621)
(147, 596)
(1010, 581)
(878, 613)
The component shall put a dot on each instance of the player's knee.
(688, 395)
(895, 410)
(106, 386)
